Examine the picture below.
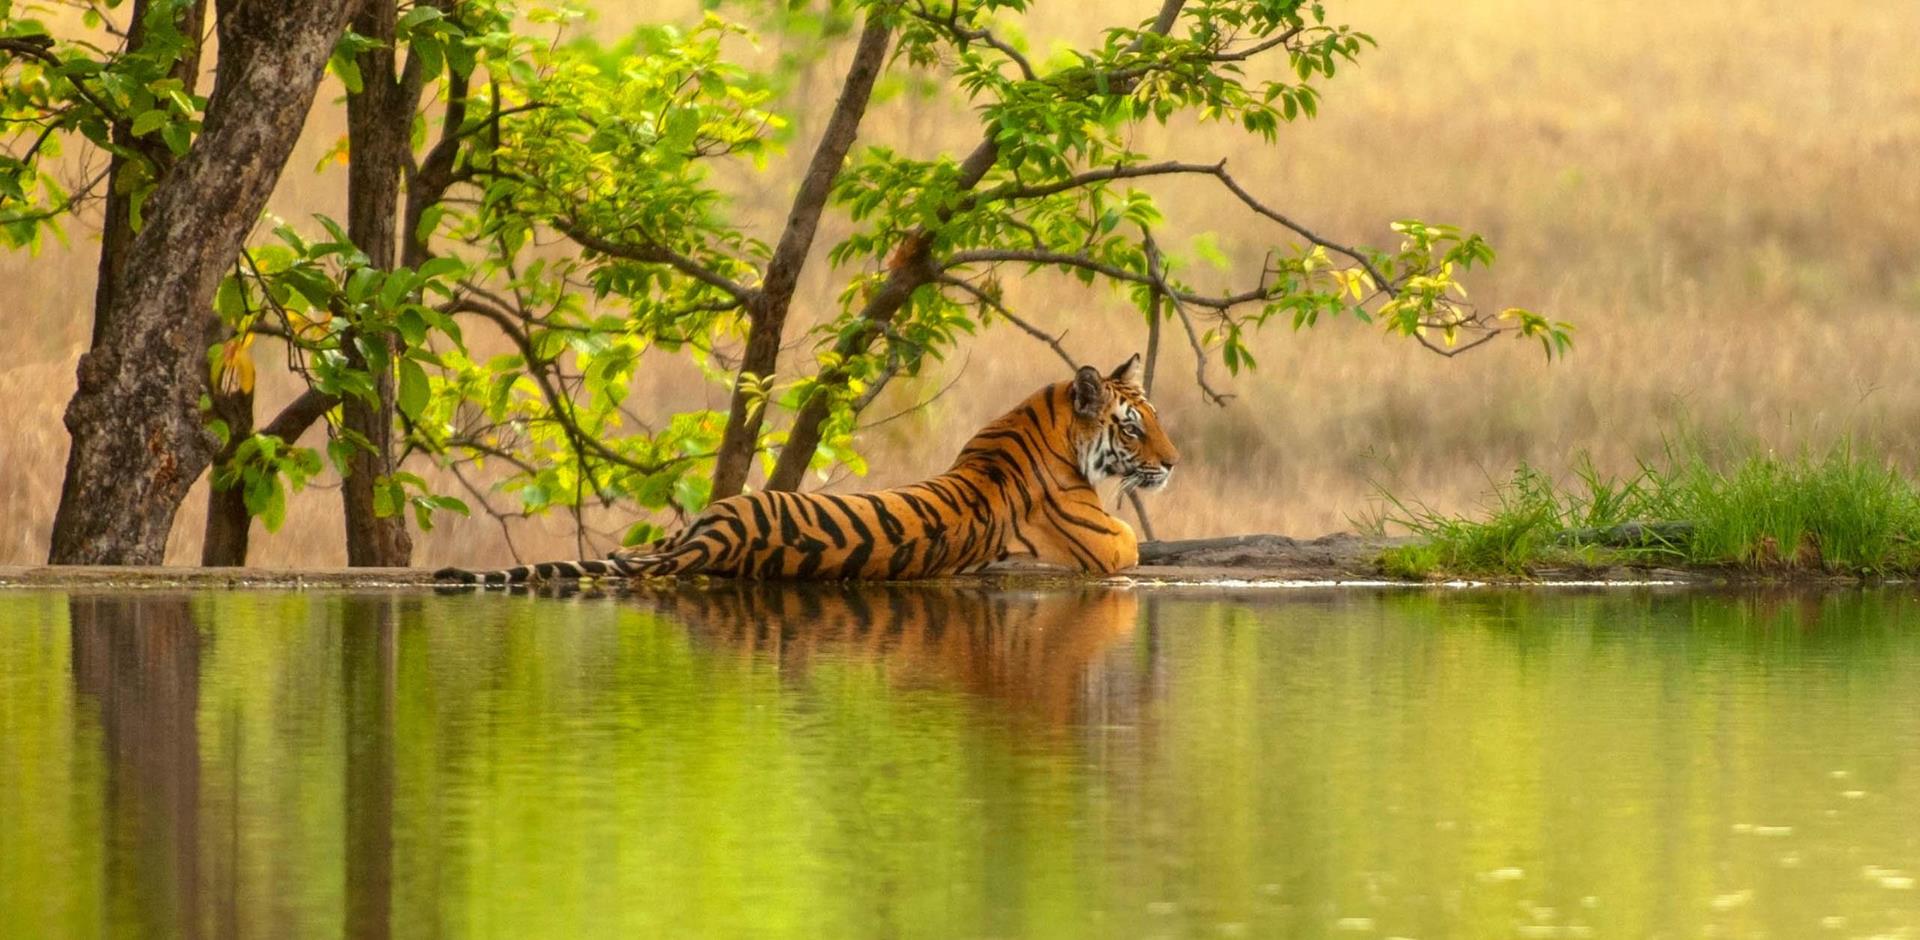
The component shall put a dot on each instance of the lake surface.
(909, 762)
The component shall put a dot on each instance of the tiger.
(1023, 485)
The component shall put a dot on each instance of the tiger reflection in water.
(1041, 652)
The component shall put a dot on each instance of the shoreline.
(1265, 562)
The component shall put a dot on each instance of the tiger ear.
(1088, 396)
(1129, 372)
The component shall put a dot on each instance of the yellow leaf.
(235, 366)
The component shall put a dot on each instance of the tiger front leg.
(1124, 548)
(1111, 548)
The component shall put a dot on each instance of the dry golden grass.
(1721, 195)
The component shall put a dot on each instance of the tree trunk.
(912, 267)
(229, 524)
(139, 440)
(116, 225)
(913, 271)
(379, 126)
(767, 311)
(804, 438)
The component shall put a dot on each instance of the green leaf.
(442, 266)
(343, 65)
(692, 491)
(360, 284)
(429, 223)
(228, 300)
(276, 509)
(414, 389)
(146, 122)
(339, 453)
(416, 16)
(412, 326)
(178, 137)
(388, 497)
(641, 533)
(394, 288)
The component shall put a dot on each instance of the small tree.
(139, 435)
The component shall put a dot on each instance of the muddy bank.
(1343, 557)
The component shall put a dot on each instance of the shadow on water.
(906, 760)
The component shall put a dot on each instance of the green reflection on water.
(940, 762)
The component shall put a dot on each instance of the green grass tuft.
(1837, 513)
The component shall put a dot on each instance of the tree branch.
(1089, 263)
(1193, 336)
(767, 308)
(300, 414)
(810, 199)
(506, 531)
(1001, 309)
(1012, 191)
(40, 49)
(951, 24)
(911, 268)
(556, 398)
(653, 254)
(1261, 208)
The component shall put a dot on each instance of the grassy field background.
(1721, 195)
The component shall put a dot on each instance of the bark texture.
(138, 438)
(116, 225)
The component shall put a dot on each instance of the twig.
(1193, 336)
(506, 531)
(40, 48)
(652, 253)
(556, 399)
(1089, 263)
(1001, 309)
(1261, 208)
(1140, 511)
(951, 23)
(1155, 299)
(1118, 171)
(927, 401)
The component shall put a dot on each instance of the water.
(931, 762)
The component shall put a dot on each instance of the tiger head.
(1116, 432)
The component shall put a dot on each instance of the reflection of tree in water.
(138, 661)
(174, 864)
(367, 686)
(1042, 653)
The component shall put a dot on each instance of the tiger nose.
(1169, 458)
